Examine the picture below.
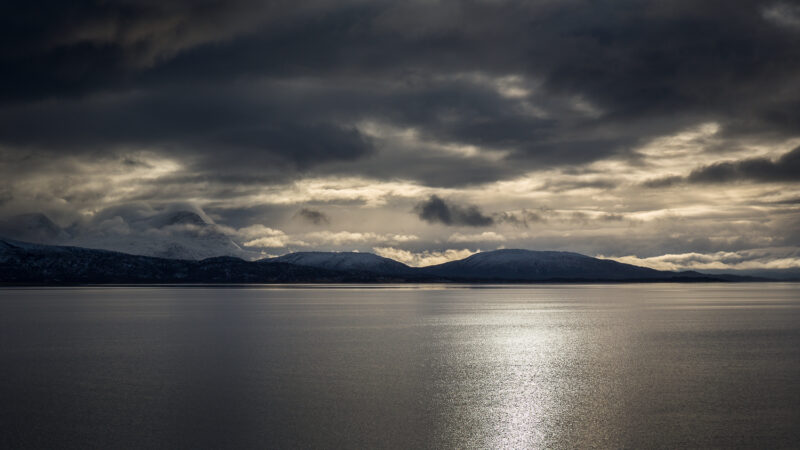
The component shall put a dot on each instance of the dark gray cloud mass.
(274, 83)
(313, 216)
(785, 168)
(437, 210)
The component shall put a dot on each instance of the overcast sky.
(664, 133)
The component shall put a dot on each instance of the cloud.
(785, 168)
(437, 210)
(265, 237)
(425, 258)
(5, 195)
(313, 216)
(521, 218)
(255, 131)
(783, 14)
(337, 238)
(173, 230)
(753, 259)
(486, 236)
(280, 86)
(277, 240)
(663, 182)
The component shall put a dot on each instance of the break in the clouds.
(631, 129)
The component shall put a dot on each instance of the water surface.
(561, 366)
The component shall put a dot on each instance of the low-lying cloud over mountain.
(633, 129)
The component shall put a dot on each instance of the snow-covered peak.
(178, 218)
(524, 265)
(344, 261)
(173, 233)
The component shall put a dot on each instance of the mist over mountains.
(173, 233)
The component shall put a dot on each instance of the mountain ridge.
(174, 234)
(27, 263)
(346, 261)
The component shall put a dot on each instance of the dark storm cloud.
(313, 216)
(785, 168)
(57, 49)
(764, 170)
(791, 201)
(221, 128)
(437, 210)
(277, 89)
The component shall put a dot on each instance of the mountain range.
(174, 234)
(27, 263)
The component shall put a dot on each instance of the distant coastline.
(24, 264)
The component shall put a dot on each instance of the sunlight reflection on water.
(609, 366)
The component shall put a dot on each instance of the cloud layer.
(643, 128)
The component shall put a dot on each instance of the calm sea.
(559, 366)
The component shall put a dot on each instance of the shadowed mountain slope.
(541, 265)
(347, 261)
(25, 263)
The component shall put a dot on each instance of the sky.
(662, 133)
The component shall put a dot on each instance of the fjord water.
(558, 366)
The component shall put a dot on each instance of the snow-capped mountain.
(175, 234)
(346, 261)
(26, 263)
(173, 218)
(528, 265)
(178, 234)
